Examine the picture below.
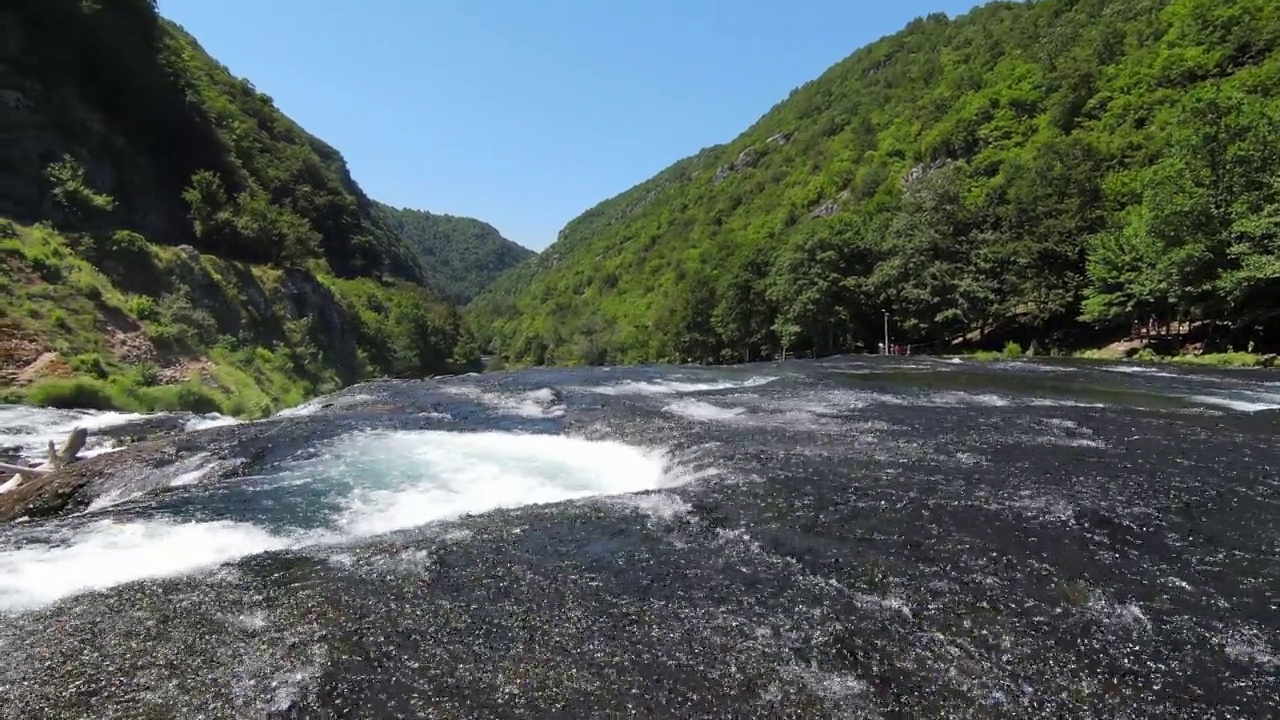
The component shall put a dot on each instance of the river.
(852, 537)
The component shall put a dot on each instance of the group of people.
(895, 349)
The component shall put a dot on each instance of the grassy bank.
(112, 321)
(243, 384)
(1014, 351)
(127, 325)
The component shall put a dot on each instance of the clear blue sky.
(525, 113)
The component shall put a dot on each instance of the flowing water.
(856, 537)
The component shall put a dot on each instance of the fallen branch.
(6, 467)
(57, 459)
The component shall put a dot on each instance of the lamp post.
(886, 331)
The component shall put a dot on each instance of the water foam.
(698, 410)
(1141, 370)
(674, 387)
(378, 481)
(109, 553)
(212, 420)
(315, 405)
(534, 404)
(30, 428)
(1257, 402)
(406, 481)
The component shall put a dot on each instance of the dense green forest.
(460, 256)
(1040, 171)
(169, 237)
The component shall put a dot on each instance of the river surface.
(853, 537)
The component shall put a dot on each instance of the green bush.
(122, 394)
(247, 407)
(164, 336)
(45, 264)
(142, 307)
(84, 284)
(181, 326)
(1146, 354)
(71, 191)
(191, 397)
(144, 375)
(1012, 349)
(127, 242)
(76, 393)
(90, 364)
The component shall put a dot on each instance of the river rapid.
(853, 537)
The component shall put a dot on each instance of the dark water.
(846, 538)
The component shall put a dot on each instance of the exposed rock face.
(47, 365)
(831, 207)
(746, 159)
(16, 355)
(923, 170)
(307, 298)
(298, 296)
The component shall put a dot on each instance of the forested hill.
(460, 255)
(1028, 168)
(169, 238)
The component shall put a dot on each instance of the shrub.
(144, 375)
(83, 283)
(1146, 354)
(193, 327)
(191, 397)
(1012, 349)
(45, 262)
(72, 192)
(75, 393)
(127, 242)
(90, 364)
(121, 394)
(142, 307)
(165, 336)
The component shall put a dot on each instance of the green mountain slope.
(1028, 170)
(170, 238)
(460, 256)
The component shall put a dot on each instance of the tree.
(743, 313)
(1201, 217)
(685, 319)
(72, 193)
(209, 210)
(930, 281)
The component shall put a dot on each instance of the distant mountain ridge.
(460, 256)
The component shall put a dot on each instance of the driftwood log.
(57, 459)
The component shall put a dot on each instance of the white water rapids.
(378, 481)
